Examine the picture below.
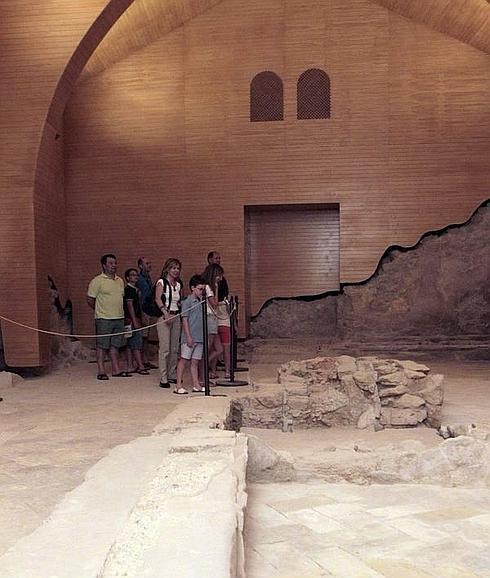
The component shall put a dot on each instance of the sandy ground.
(55, 427)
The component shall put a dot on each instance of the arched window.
(313, 94)
(266, 97)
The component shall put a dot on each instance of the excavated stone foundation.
(367, 392)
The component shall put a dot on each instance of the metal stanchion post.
(205, 360)
(232, 382)
(234, 359)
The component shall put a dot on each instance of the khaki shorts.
(194, 352)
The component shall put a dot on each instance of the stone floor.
(347, 531)
(54, 428)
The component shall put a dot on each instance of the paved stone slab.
(75, 539)
(361, 537)
(342, 564)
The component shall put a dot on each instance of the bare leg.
(195, 374)
(138, 356)
(181, 365)
(129, 359)
(216, 349)
(100, 354)
(227, 358)
(114, 356)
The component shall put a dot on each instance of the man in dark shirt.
(145, 285)
(223, 291)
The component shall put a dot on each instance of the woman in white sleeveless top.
(168, 294)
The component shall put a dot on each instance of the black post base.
(229, 383)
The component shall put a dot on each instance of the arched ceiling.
(466, 20)
(145, 21)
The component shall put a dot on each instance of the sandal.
(142, 372)
(122, 374)
(200, 390)
(181, 391)
(102, 376)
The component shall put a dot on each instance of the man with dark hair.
(214, 258)
(105, 296)
(145, 285)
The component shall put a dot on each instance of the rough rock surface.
(437, 288)
(368, 392)
(9, 379)
(457, 462)
(266, 464)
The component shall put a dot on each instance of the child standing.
(132, 315)
(192, 336)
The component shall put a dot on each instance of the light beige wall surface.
(161, 157)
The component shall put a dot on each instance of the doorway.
(291, 251)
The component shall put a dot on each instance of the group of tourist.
(124, 310)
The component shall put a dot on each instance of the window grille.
(313, 95)
(266, 97)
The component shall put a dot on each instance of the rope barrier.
(87, 336)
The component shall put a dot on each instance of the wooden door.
(292, 251)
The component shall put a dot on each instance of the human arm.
(93, 290)
(135, 322)
(211, 295)
(159, 296)
(187, 331)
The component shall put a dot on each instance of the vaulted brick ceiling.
(145, 21)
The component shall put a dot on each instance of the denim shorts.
(135, 341)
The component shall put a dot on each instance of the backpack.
(149, 305)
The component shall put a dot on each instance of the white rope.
(86, 336)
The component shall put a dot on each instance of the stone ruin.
(367, 392)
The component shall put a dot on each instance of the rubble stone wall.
(367, 392)
(439, 287)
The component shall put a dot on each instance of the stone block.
(434, 415)
(331, 401)
(413, 366)
(367, 420)
(408, 401)
(365, 379)
(268, 401)
(393, 391)
(432, 389)
(297, 402)
(414, 374)
(404, 417)
(393, 379)
(287, 378)
(9, 379)
(384, 366)
(295, 387)
(385, 416)
(345, 364)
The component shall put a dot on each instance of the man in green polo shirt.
(105, 296)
